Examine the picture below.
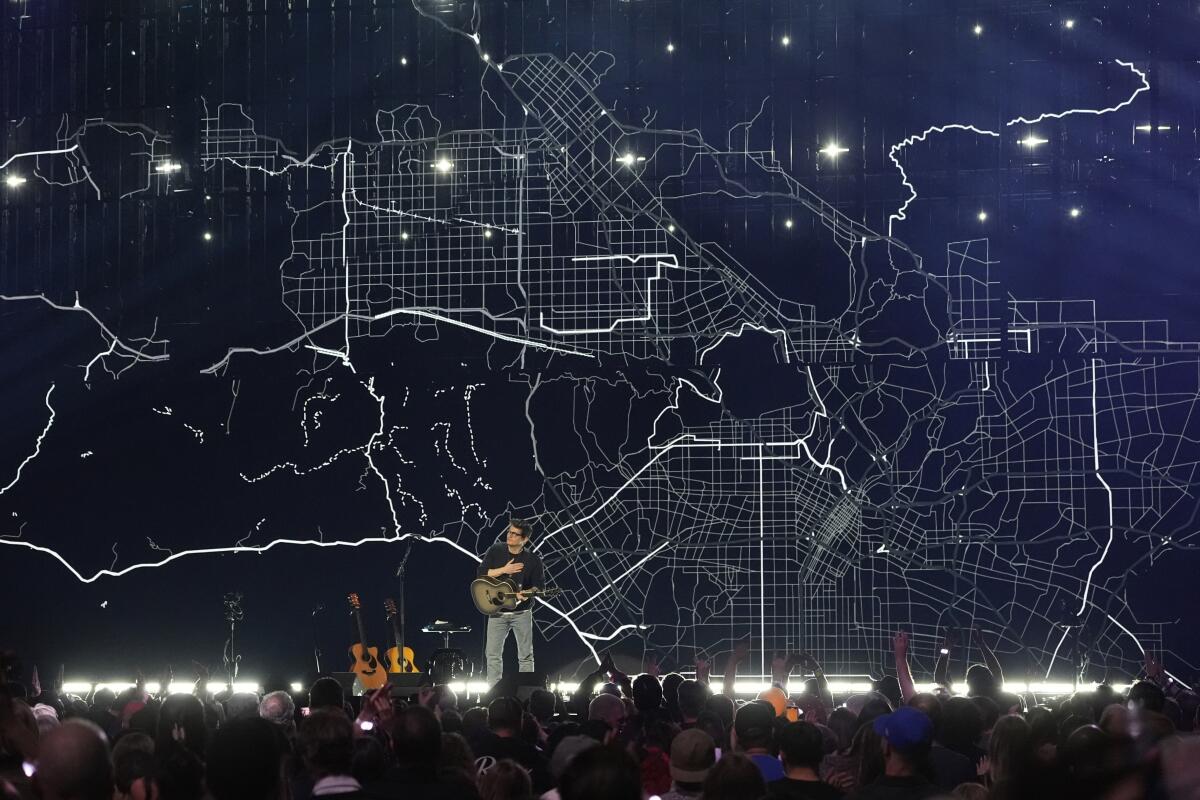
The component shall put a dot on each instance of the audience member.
(503, 740)
(907, 735)
(734, 777)
(801, 747)
(693, 754)
(244, 761)
(326, 746)
(601, 773)
(506, 780)
(754, 735)
(279, 709)
(74, 764)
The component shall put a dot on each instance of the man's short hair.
(243, 761)
(325, 693)
(417, 737)
(326, 742)
(801, 745)
(278, 707)
(505, 713)
(524, 526)
(74, 763)
(241, 705)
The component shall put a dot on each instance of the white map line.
(37, 446)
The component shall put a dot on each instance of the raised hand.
(1154, 668)
(652, 667)
(741, 650)
(900, 644)
(702, 669)
(35, 685)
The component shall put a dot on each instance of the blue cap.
(905, 728)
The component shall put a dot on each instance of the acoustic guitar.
(493, 595)
(399, 657)
(366, 666)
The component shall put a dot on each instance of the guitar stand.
(448, 663)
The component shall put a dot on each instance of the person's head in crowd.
(417, 737)
(541, 705)
(562, 731)
(565, 750)
(647, 694)
(180, 773)
(1009, 703)
(601, 773)
(776, 698)
(530, 730)
(889, 687)
(456, 757)
(1114, 721)
(506, 780)
(866, 749)
(929, 705)
(843, 723)
(1085, 752)
(1044, 733)
(693, 754)
(445, 699)
(474, 720)
(1068, 725)
(970, 791)
(801, 747)
(451, 721)
(325, 743)
(243, 761)
(829, 739)
(181, 723)
(134, 768)
(754, 728)
(1010, 748)
(241, 705)
(46, 718)
(370, 760)
(146, 720)
(690, 698)
(1147, 696)
(74, 764)
(608, 709)
(279, 709)
(711, 724)
(980, 681)
(907, 736)
(875, 705)
(734, 777)
(961, 725)
(670, 690)
(504, 716)
(989, 711)
(597, 729)
(1155, 728)
(608, 687)
(724, 707)
(325, 693)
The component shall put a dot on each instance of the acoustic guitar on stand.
(399, 657)
(370, 673)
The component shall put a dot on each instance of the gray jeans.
(521, 624)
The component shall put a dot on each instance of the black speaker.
(409, 680)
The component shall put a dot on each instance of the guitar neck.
(362, 634)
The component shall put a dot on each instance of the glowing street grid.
(999, 501)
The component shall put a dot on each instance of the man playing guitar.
(510, 559)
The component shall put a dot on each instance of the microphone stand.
(317, 609)
(400, 575)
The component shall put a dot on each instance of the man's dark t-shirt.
(792, 789)
(498, 555)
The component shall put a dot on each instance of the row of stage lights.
(837, 686)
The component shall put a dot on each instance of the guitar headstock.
(390, 605)
(353, 598)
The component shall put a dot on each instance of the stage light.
(786, 41)
(297, 687)
(978, 30)
(13, 181)
(252, 687)
(1052, 688)
(208, 236)
(77, 687)
(443, 164)
(404, 235)
(486, 57)
(1075, 212)
(670, 229)
(1031, 141)
(626, 158)
(403, 61)
(487, 234)
(1068, 24)
(177, 687)
(787, 223)
(981, 216)
(670, 47)
(833, 150)
(168, 166)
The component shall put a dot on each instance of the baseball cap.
(565, 752)
(693, 754)
(906, 728)
(754, 719)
